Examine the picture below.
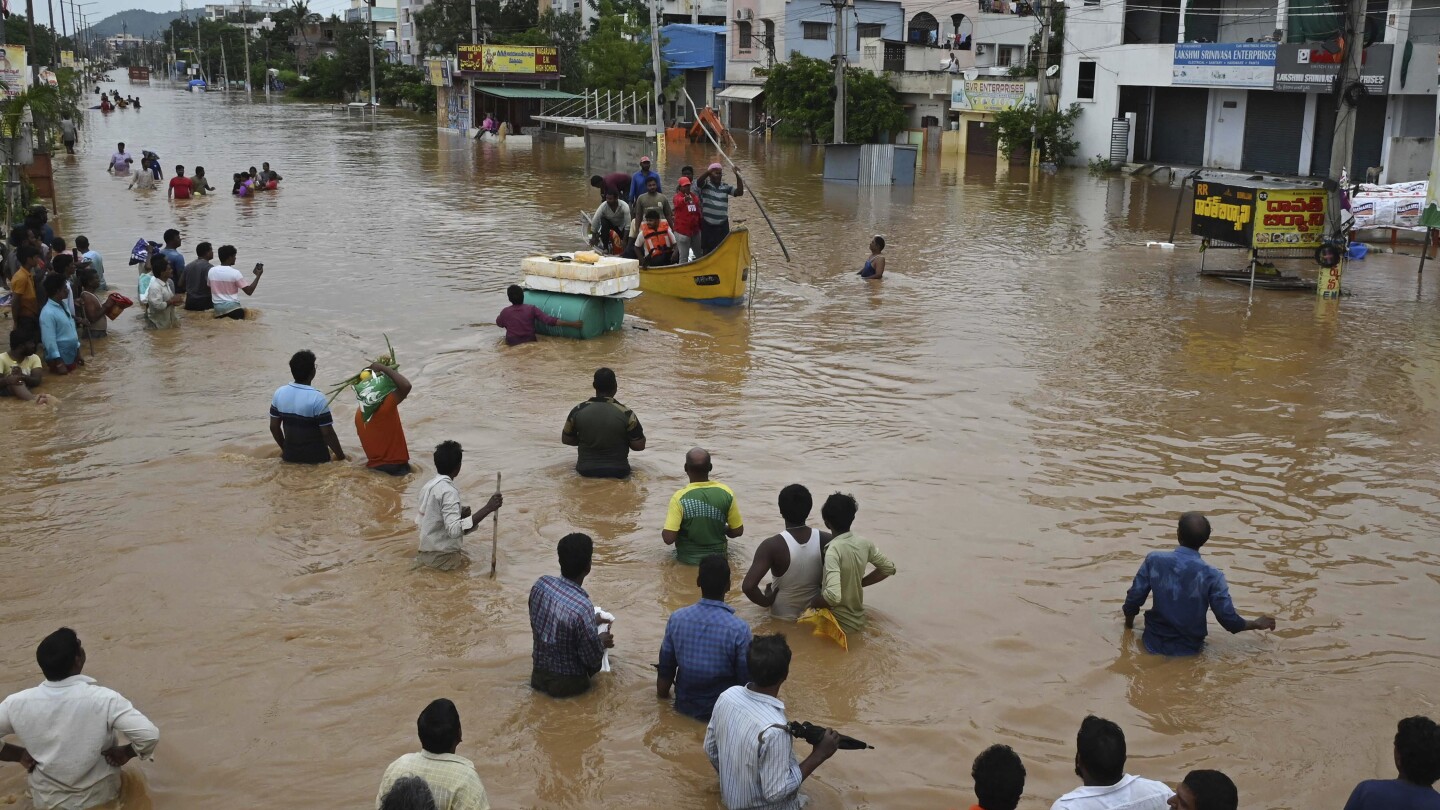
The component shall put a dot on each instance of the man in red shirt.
(519, 318)
(381, 434)
(180, 186)
(687, 221)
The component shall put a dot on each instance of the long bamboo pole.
(495, 530)
(750, 189)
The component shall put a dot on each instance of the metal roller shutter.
(1274, 125)
(1179, 125)
(1369, 135)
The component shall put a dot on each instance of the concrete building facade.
(1217, 83)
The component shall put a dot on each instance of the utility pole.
(839, 136)
(245, 22)
(224, 66)
(659, 95)
(370, 43)
(54, 34)
(694, 12)
(474, 25)
(1342, 146)
(1042, 83)
(33, 56)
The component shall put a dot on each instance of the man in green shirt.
(604, 430)
(703, 515)
(842, 586)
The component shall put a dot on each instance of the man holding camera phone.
(226, 284)
(763, 775)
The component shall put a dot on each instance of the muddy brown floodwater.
(1022, 407)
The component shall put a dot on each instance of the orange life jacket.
(658, 240)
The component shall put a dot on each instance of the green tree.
(1030, 68)
(616, 56)
(798, 92)
(1054, 131)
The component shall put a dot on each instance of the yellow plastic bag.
(587, 257)
(825, 625)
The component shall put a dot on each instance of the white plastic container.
(609, 267)
(609, 286)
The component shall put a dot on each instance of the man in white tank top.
(795, 559)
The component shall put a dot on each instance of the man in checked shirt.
(707, 643)
(568, 647)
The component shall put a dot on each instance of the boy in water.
(519, 318)
(20, 367)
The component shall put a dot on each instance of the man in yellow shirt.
(24, 299)
(703, 515)
(843, 584)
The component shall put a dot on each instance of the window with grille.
(745, 36)
(815, 30)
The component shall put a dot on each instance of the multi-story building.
(385, 14)
(408, 37)
(1248, 85)
(763, 32)
(222, 11)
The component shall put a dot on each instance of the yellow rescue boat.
(718, 278)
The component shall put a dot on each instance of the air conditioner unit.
(744, 14)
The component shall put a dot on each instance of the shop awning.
(741, 92)
(525, 92)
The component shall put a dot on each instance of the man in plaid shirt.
(707, 643)
(568, 647)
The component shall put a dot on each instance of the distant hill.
(136, 22)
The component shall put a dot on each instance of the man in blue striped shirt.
(1185, 588)
(300, 417)
(748, 739)
(707, 643)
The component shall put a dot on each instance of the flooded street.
(1023, 407)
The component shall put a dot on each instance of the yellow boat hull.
(718, 278)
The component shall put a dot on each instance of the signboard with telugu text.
(14, 71)
(990, 95)
(1261, 218)
(1243, 64)
(509, 59)
(1313, 68)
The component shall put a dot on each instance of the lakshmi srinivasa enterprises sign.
(1241, 64)
(1259, 217)
(990, 95)
(512, 59)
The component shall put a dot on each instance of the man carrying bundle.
(377, 419)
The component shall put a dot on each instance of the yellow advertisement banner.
(543, 59)
(67, 59)
(14, 71)
(439, 71)
(1289, 218)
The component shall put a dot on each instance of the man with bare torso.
(794, 558)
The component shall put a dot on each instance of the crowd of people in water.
(53, 295)
(710, 663)
(243, 184)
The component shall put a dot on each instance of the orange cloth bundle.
(115, 303)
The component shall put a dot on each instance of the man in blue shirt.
(707, 643)
(638, 179)
(172, 254)
(1417, 758)
(569, 648)
(57, 329)
(1185, 587)
(300, 417)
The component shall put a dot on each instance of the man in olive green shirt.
(703, 516)
(604, 430)
(842, 586)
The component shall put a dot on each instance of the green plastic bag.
(372, 392)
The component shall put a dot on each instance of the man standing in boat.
(687, 221)
(639, 179)
(610, 225)
(715, 197)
